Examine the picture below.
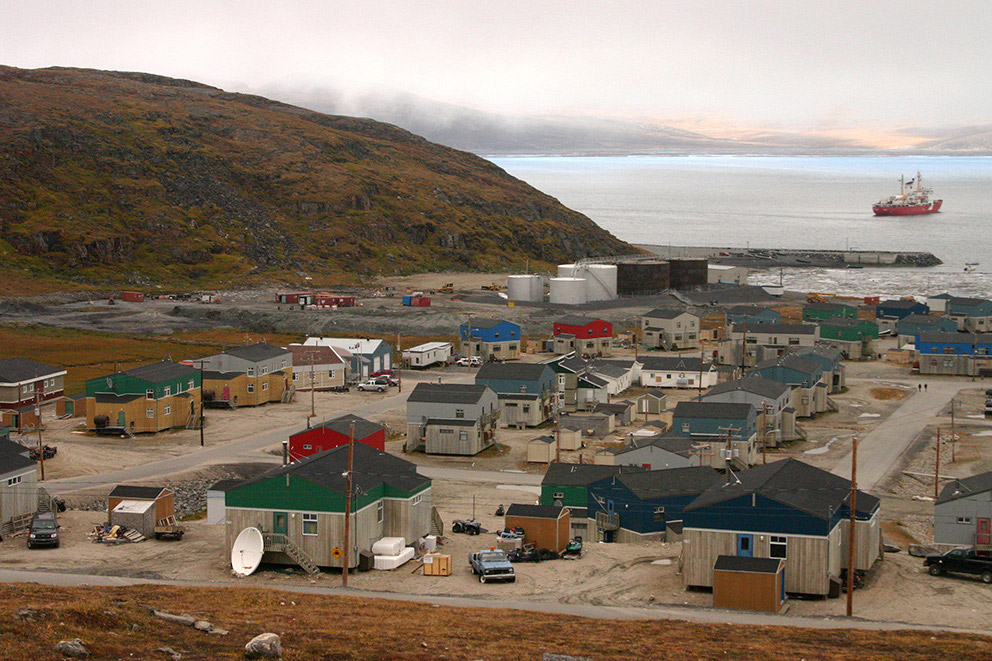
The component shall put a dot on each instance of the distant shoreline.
(764, 258)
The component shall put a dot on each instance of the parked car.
(959, 561)
(390, 373)
(492, 565)
(44, 530)
(387, 380)
(49, 451)
(468, 527)
(339, 388)
(373, 384)
(466, 361)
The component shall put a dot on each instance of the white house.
(677, 372)
(430, 353)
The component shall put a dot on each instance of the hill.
(129, 177)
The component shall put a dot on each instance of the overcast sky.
(799, 64)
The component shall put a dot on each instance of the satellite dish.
(503, 296)
(246, 553)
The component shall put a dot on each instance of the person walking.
(919, 387)
(924, 386)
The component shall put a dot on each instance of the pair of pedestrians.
(921, 387)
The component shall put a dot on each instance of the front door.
(280, 523)
(983, 532)
(226, 396)
(745, 546)
(121, 419)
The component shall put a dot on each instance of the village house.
(451, 418)
(831, 360)
(962, 514)
(661, 451)
(677, 372)
(567, 485)
(712, 424)
(751, 315)
(786, 509)
(644, 506)
(25, 382)
(300, 507)
(249, 375)
(145, 399)
(771, 400)
(622, 411)
(855, 338)
(490, 339)
(819, 311)
(907, 328)
(806, 377)
(618, 378)
(526, 391)
(319, 368)
(899, 309)
(589, 336)
(764, 341)
(966, 354)
(335, 433)
(972, 315)
(938, 303)
(590, 425)
(669, 329)
(367, 356)
(568, 369)
(427, 354)
(18, 481)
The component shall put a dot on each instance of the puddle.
(826, 448)
(870, 415)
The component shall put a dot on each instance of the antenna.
(246, 552)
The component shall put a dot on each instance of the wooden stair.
(437, 525)
(289, 394)
(280, 542)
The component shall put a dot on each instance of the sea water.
(799, 202)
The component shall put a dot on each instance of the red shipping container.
(421, 302)
(133, 296)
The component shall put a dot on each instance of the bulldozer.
(449, 288)
(493, 287)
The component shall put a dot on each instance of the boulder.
(184, 619)
(73, 648)
(264, 646)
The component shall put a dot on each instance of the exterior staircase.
(281, 543)
(45, 501)
(193, 422)
(289, 394)
(437, 525)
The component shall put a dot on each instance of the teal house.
(715, 419)
(819, 311)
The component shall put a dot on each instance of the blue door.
(782, 581)
(745, 546)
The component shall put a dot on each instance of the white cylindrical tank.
(525, 288)
(537, 288)
(568, 291)
(566, 270)
(601, 282)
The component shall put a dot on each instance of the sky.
(788, 64)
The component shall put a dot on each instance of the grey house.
(451, 418)
(525, 391)
(18, 481)
(771, 400)
(658, 452)
(962, 515)
(664, 328)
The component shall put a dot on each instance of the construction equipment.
(449, 288)
(493, 287)
(818, 297)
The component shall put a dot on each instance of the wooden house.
(542, 450)
(300, 507)
(584, 335)
(653, 402)
(677, 372)
(367, 355)
(319, 368)
(248, 375)
(490, 339)
(150, 398)
(669, 329)
(335, 433)
(547, 527)
(962, 514)
(451, 418)
(659, 452)
(567, 485)
(26, 382)
(18, 481)
(525, 391)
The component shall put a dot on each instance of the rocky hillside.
(130, 177)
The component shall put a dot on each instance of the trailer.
(430, 353)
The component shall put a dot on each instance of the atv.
(468, 527)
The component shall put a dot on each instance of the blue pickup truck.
(492, 565)
(960, 561)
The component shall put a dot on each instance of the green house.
(300, 507)
(819, 311)
(150, 398)
(848, 330)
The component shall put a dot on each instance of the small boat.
(970, 266)
(910, 201)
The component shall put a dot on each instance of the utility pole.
(347, 507)
(700, 384)
(399, 365)
(954, 437)
(557, 428)
(313, 385)
(851, 531)
(199, 364)
(763, 432)
(41, 448)
(936, 470)
(744, 347)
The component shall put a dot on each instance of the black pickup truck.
(961, 561)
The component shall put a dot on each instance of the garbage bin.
(366, 561)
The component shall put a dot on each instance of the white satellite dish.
(503, 296)
(246, 554)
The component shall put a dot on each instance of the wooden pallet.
(134, 536)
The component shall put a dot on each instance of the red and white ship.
(911, 201)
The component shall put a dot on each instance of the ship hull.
(906, 209)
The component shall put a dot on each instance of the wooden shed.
(165, 502)
(547, 527)
(542, 450)
(570, 439)
(756, 584)
(135, 515)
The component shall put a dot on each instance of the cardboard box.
(437, 564)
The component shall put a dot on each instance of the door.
(121, 419)
(983, 532)
(227, 394)
(280, 523)
(745, 546)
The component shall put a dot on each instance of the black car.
(961, 561)
(44, 530)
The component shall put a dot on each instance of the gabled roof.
(611, 371)
(574, 365)
(13, 457)
(257, 352)
(655, 393)
(953, 337)
(591, 380)
(968, 302)
(354, 345)
(780, 329)
(342, 425)
(534, 511)
(826, 307)
(302, 355)
(966, 486)
(903, 305)
(923, 319)
(132, 492)
(512, 371)
(670, 442)
(614, 408)
(714, 410)
(846, 322)
(665, 313)
(673, 364)
(483, 322)
(791, 361)
(17, 370)
(752, 384)
(793, 483)
(738, 563)
(651, 485)
(580, 475)
(822, 351)
(449, 393)
(575, 320)
(161, 372)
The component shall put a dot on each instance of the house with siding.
(525, 390)
(335, 433)
(25, 382)
(319, 368)
(831, 360)
(764, 341)
(854, 338)
(490, 338)
(962, 514)
(820, 311)
(938, 303)
(367, 355)
(771, 400)
(972, 315)
(909, 327)
(568, 368)
(567, 485)
(751, 315)
(714, 422)
(677, 372)
(644, 506)
(451, 418)
(659, 452)
(966, 354)
(670, 329)
(806, 377)
(786, 509)
(249, 375)
(899, 309)
(145, 399)
(18, 480)
(584, 335)
(302, 505)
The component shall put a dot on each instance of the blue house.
(909, 327)
(525, 391)
(965, 354)
(490, 338)
(900, 309)
(786, 509)
(973, 315)
(634, 507)
(752, 314)
(714, 419)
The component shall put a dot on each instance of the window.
(659, 514)
(149, 394)
(778, 547)
(793, 341)
(168, 409)
(380, 511)
(496, 334)
(526, 408)
(265, 385)
(265, 370)
(190, 384)
(459, 413)
(445, 431)
(685, 427)
(310, 525)
(307, 447)
(512, 347)
(282, 363)
(149, 413)
(949, 350)
(463, 436)
(179, 388)
(251, 371)
(416, 500)
(251, 387)
(11, 481)
(296, 376)
(558, 495)
(167, 391)
(964, 520)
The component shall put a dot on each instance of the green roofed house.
(567, 485)
(820, 311)
(855, 338)
(300, 507)
(150, 398)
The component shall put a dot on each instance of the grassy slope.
(321, 627)
(134, 178)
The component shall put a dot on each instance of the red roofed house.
(584, 335)
(335, 433)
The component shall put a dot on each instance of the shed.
(542, 450)
(165, 503)
(569, 439)
(135, 515)
(215, 500)
(71, 406)
(651, 402)
(756, 584)
(545, 526)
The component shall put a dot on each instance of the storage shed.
(135, 515)
(756, 584)
(547, 527)
(133, 296)
(216, 512)
(542, 450)
(165, 503)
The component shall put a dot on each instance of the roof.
(945, 296)
(846, 322)
(512, 371)
(574, 364)
(954, 337)
(448, 393)
(651, 485)
(611, 371)
(964, 487)
(665, 313)
(617, 407)
(371, 468)
(429, 346)
(131, 492)
(727, 295)
(904, 305)
(134, 506)
(342, 425)
(791, 361)
(781, 329)
(302, 355)
(752, 384)
(581, 475)
(575, 320)
(793, 483)
(673, 364)
(114, 398)
(924, 319)
(823, 351)
(741, 563)
(483, 322)
(718, 410)
(543, 439)
(18, 370)
(257, 352)
(451, 422)
(676, 444)
(160, 372)
(657, 394)
(13, 457)
(826, 307)
(354, 345)
(223, 485)
(962, 300)
(534, 511)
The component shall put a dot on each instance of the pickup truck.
(492, 565)
(961, 561)
(373, 384)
